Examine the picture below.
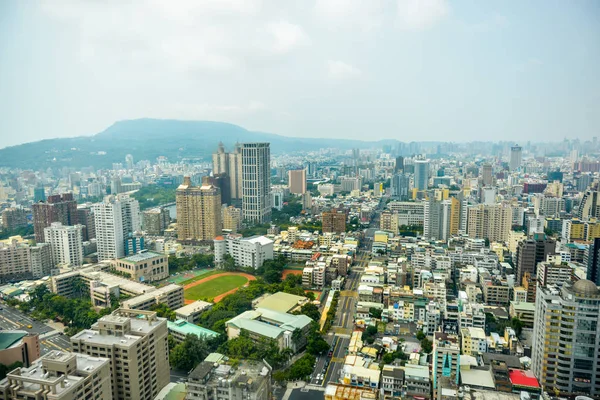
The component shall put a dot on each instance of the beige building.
(20, 260)
(137, 349)
(232, 218)
(146, 266)
(230, 164)
(19, 346)
(389, 221)
(297, 181)
(171, 295)
(473, 340)
(198, 211)
(59, 376)
(491, 222)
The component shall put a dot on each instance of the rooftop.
(523, 378)
(193, 307)
(477, 378)
(187, 328)
(281, 302)
(9, 338)
(142, 256)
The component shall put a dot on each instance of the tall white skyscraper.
(116, 218)
(66, 243)
(421, 174)
(256, 182)
(516, 155)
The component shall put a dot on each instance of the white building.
(256, 182)
(66, 243)
(247, 252)
(115, 218)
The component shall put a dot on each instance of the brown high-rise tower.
(57, 208)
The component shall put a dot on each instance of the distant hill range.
(146, 139)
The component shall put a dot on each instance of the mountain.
(147, 139)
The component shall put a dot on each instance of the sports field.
(216, 286)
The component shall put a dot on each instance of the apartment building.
(232, 218)
(256, 182)
(171, 295)
(334, 221)
(198, 211)
(13, 218)
(155, 221)
(59, 376)
(473, 341)
(57, 208)
(135, 342)
(19, 260)
(247, 252)
(191, 312)
(250, 380)
(66, 243)
(146, 266)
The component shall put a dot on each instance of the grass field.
(215, 287)
(204, 274)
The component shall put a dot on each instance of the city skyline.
(431, 70)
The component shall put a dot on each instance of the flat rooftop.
(187, 328)
(145, 255)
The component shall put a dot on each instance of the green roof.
(281, 302)
(186, 328)
(7, 339)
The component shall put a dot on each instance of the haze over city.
(361, 69)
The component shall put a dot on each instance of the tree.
(189, 353)
(375, 312)
(163, 311)
(426, 345)
(517, 325)
(311, 311)
(297, 338)
(317, 345)
(369, 334)
(80, 288)
(420, 335)
(229, 263)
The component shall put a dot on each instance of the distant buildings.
(198, 211)
(232, 218)
(13, 218)
(229, 164)
(334, 221)
(155, 221)
(516, 157)
(256, 182)
(530, 252)
(421, 174)
(57, 208)
(297, 181)
(489, 221)
(117, 218)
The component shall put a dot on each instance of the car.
(29, 326)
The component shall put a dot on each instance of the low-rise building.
(263, 323)
(219, 381)
(473, 341)
(191, 312)
(247, 252)
(19, 346)
(146, 266)
(180, 329)
(524, 311)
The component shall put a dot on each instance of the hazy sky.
(371, 69)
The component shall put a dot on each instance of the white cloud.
(421, 14)
(362, 14)
(286, 36)
(339, 70)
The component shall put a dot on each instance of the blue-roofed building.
(180, 329)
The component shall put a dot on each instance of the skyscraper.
(421, 174)
(116, 219)
(532, 251)
(297, 181)
(515, 157)
(256, 182)
(486, 174)
(231, 165)
(492, 222)
(592, 256)
(58, 208)
(66, 243)
(566, 351)
(400, 186)
(399, 166)
(198, 210)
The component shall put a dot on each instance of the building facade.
(256, 182)
(198, 211)
(66, 243)
(116, 219)
(297, 181)
(57, 208)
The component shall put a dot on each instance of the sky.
(411, 70)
